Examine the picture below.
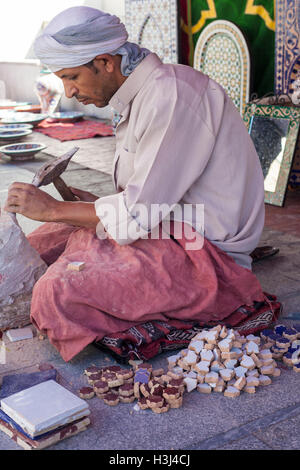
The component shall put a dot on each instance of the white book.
(44, 407)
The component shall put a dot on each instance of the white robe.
(182, 141)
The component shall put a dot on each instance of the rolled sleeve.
(117, 220)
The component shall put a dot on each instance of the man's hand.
(31, 202)
(84, 196)
(35, 204)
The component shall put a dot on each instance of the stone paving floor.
(268, 420)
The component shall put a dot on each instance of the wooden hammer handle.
(63, 190)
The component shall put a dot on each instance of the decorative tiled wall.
(222, 53)
(295, 172)
(154, 24)
(287, 44)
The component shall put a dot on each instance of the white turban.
(77, 35)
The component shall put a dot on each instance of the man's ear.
(105, 60)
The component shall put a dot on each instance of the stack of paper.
(43, 414)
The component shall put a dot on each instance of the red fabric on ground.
(64, 131)
(124, 286)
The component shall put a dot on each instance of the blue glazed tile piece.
(278, 349)
(274, 337)
(266, 332)
(279, 329)
(283, 341)
(142, 376)
(291, 331)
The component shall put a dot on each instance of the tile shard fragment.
(19, 334)
(76, 266)
(204, 388)
(231, 392)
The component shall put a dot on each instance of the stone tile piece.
(19, 334)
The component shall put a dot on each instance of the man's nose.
(70, 90)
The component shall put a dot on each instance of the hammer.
(50, 173)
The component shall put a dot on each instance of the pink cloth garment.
(50, 240)
(123, 286)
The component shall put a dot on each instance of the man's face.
(89, 84)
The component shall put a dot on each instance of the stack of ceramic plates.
(16, 132)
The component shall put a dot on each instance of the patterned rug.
(145, 341)
(84, 129)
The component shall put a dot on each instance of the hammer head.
(51, 170)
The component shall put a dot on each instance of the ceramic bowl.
(24, 118)
(10, 127)
(68, 116)
(22, 151)
(14, 134)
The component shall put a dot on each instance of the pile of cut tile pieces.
(216, 360)
(154, 389)
(220, 360)
(284, 343)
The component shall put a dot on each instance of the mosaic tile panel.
(295, 173)
(287, 44)
(292, 114)
(154, 24)
(222, 53)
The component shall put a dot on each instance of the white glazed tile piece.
(212, 378)
(207, 355)
(226, 374)
(204, 388)
(240, 371)
(190, 358)
(225, 345)
(190, 383)
(252, 347)
(196, 346)
(247, 362)
(18, 334)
